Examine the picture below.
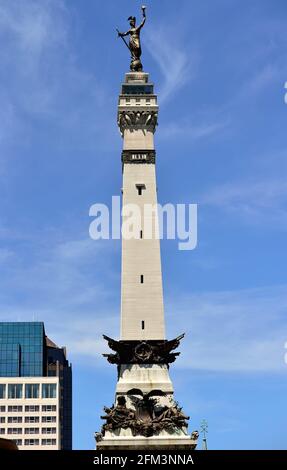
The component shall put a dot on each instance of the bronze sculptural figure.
(147, 417)
(134, 44)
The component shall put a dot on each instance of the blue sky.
(219, 68)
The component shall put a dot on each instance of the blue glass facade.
(22, 349)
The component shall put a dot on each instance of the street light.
(204, 430)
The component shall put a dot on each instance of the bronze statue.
(134, 44)
(147, 417)
(118, 416)
(154, 352)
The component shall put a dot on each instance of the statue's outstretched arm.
(124, 34)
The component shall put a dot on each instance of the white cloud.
(233, 331)
(257, 83)
(82, 249)
(262, 79)
(191, 131)
(257, 201)
(40, 76)
(66, 284)
(73, 287)
(66, 276)
(33, 25)
(31, 33)
(176, 64)
(84, 336)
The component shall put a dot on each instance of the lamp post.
(204, 430)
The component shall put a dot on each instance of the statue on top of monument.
(134, 44)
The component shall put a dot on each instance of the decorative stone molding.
(138, 156)
(146, 418)
(142, 352)
(133, 119)
(136, 77)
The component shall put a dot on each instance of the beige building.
(30, 412)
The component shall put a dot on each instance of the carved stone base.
(162, 442)
(145, 414)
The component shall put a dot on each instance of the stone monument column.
(145, 414)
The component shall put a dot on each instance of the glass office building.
(22, 349)
(35, 388)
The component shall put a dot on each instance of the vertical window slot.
(140, 188)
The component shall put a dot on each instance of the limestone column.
(145, 414)
(142, 314)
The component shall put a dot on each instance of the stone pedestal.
(157, 443)
(146, 377)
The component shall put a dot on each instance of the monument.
(145, 414)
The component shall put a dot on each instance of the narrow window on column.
(142, 278)
(140, 188)
(143, 325)
(141, 234)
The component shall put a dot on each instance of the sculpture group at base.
(146, 418)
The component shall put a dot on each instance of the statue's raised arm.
(144, 19)
(134, 44)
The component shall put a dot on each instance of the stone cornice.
(137, 119)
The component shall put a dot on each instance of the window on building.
(2, 391)
(2, 430)
(147, 101)
(32, 408)
(49, 408)
(32, 390)
(31, 442)
(15, 391)
(140, 188)
(15, 419)
(14, 430)
(31, 430)
(15, 409)
(141, 234)
(142, 278)
(142, 325)
(2, 409)
(49, 442)
(138, 101)
(18, 442)
(48, 430)
(32, 419)
(49, 419)
(2, 419)
(49, 390)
